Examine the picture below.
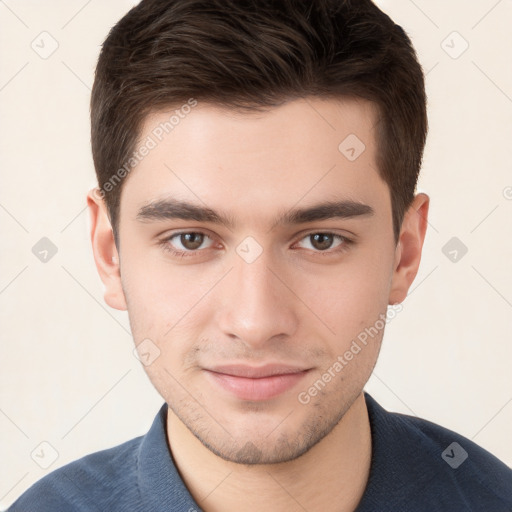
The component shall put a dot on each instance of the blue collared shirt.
(416, 466)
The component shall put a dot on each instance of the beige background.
(68, 376)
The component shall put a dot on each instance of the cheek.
(166, 306)
(158, 294)
(347, 298)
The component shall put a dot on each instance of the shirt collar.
(394, 455)
(159, 482)
(401, 467)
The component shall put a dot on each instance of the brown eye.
(325, 242)
(321, 241)
(191, 241)
(186, 243)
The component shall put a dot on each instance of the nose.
(256, 304)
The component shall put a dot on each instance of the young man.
(256, 215)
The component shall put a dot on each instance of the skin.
(295, 304)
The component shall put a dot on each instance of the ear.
(105, 251)
(408, 249)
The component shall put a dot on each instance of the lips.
(256, 383)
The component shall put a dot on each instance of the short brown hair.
(251, 54)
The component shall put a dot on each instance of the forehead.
(256, 163)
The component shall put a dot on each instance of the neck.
(331, 476)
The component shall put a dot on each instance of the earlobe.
(105, 251)
(409, 247)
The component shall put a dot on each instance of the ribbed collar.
(160, 484)
(396, 472)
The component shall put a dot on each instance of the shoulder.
(437, 466)
(108, 477)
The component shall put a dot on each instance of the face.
(247, 300)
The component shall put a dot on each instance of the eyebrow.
(168, 209)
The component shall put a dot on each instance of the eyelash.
(346, 243)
